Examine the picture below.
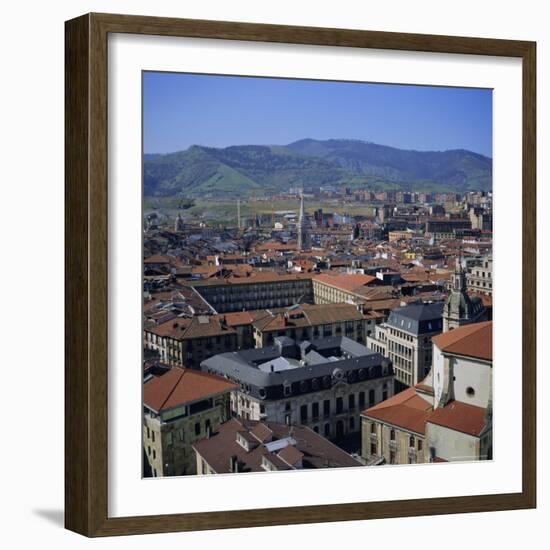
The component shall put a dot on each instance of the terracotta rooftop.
(405, 410)
(179, 386)
(316, 451)
(460, 417)
(345, 281)
(157, 259)
(475, 340)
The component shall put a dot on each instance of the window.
(371, 398)
(197, 428)
(392, 434)
(327, 430)
(352, 423)
(182, 435)
(149, 450)
(148, 433)
(373, 449)
(315, 410)
(153, 436)
(326, 407)
(351, 401)
(339, 405)
(303, 414)
(420, 444)
(154, 454)
(361, 399)
(411, 441)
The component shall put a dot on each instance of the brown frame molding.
(86, 274)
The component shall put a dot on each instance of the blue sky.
(180, 110)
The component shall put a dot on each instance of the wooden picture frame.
(86, 223)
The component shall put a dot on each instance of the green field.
(225, 211)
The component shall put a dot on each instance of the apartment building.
(180, 408)
(311, 322)
(480, 278)
(406, 340)
(332, 288)
(323, 384)
(257, 291)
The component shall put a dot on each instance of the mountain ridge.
(246, 170)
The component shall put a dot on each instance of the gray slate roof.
(418, 318)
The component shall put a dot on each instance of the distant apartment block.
(258, 291)
(329, 288)
(480, 278)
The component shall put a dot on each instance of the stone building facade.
(323, 384)
(259, 291)
(185, 342)
(180, 408)
(339, 288)
(480, 278)
(311, 322)
(406, 340)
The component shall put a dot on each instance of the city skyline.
(181, 110)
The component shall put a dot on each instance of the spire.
(303, 241)
(459, 277)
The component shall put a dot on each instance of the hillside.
(256, 170)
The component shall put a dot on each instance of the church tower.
(461, 309)
(178, 224)
(303, 236)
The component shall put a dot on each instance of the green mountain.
(458, 169)
(255, 170)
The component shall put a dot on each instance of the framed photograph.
(291, 263)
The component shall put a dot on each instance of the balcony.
(393, 445)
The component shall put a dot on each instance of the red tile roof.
(460, 417)
(316, 451)
(344, 281)
(475, 340)
(179, 386)
(405, 410)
